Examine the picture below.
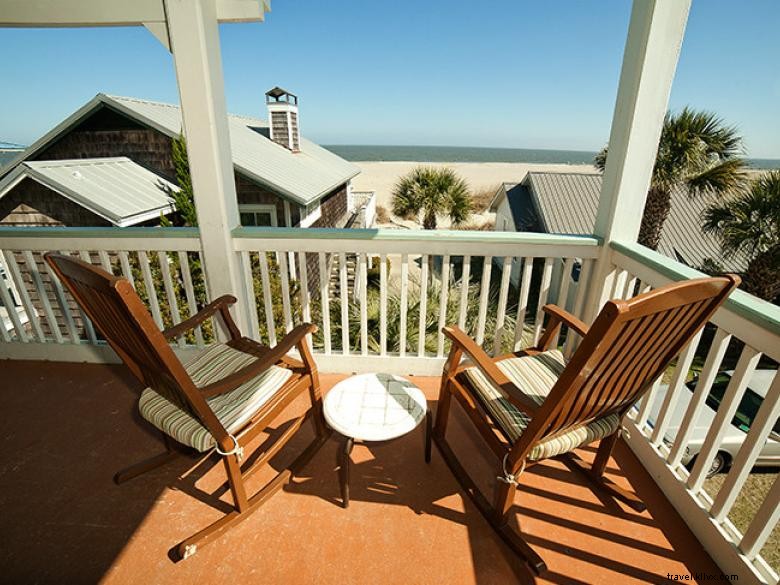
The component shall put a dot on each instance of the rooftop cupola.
(283, 118)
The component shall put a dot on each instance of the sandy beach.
(382, 176)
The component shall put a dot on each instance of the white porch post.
(655, 35)
(194, 40)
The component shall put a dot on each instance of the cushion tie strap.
(508, 477)
(237, 449)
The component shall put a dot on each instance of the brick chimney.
(283, 118)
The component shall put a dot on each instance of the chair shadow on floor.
(104, 517)
(395, 474)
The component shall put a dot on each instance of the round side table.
(373, 408)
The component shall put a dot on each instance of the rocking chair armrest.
(489, 369)
(218, 305)
(559, 316)
(295, 337)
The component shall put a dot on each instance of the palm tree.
(697, 152)
(750, 224)
(432, 192)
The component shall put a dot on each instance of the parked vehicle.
(752, 399)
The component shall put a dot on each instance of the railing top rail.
(89, 238)
(399, 235)
(98, 232)
(759, 312)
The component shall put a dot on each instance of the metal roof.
(117, 189)
(303, 176)
(567, 203)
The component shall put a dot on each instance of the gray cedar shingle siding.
(280, 129)
(33, 204)
(147, 147)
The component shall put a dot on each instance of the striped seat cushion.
(233, 409)
(535, 376)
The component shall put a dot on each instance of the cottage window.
(258, 215)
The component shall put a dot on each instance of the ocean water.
(460, 154)
(358, 152)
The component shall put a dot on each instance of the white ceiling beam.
(160, 32)
(195, 46)
(655, 36)
(88, 13)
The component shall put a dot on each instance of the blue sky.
(503, 73)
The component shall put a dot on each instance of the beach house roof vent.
(283, 118)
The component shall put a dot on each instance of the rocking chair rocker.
(219, 401)
(533, 404)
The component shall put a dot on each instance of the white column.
(194, 38)
(655, 35)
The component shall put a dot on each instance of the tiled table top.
(374, 407)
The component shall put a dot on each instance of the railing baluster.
(249, 291)
(646, 404)
(4, 333)
(343, 292)
(325, 300)
(628, 292)
(363, 308)
(62, 301)
(105, 261)
(522, 300)
(8, 303)
(151, 293)
(383, 284)
(404, 302)
(563, 291)
(423, 305)
(268, 305)
(618, 284)
(484, 294)
(304, 284)
(465, 281)
(748, 360)
(170, 293)
(544, 291)
(189, 292)
(503, 293)
(86, 257)
(284, 275)
(43, 295)
(127, 272)
(709, 371)
(572, 339)
(443, 299)
(763, 523)
(679, 376)
(215, 327)
(764, 421)
(29, 309)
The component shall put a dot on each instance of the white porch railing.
(364, 204)
(416, 286)
(162, 264)
(745, 322)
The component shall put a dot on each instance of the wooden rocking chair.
(219, 401)
(533, 404)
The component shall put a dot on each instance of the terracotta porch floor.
(66, 428)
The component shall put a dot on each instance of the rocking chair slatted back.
(626, 349)
(118, 312)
